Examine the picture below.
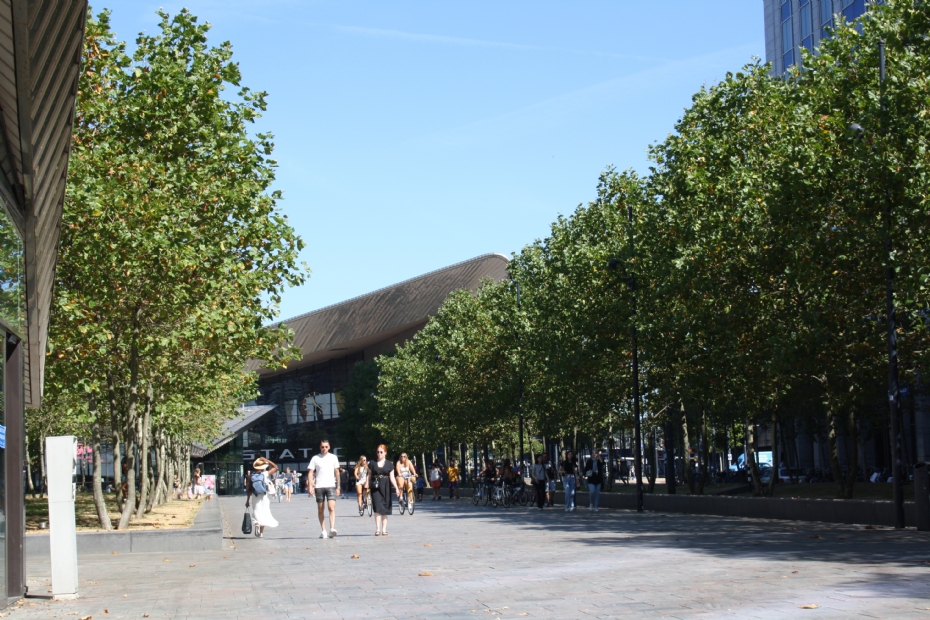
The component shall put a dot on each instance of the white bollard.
(61, 467)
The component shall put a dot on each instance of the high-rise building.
(793, 24)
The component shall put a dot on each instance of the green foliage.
(173, 251)
(757, 248)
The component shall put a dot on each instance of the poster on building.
(209, 484)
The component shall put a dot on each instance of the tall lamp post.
(520, 387)
(638, 431)
(894, 391)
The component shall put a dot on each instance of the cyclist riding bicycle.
(406, 474)
(361, 478)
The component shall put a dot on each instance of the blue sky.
(413, 135)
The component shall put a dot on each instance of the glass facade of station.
(307, 404)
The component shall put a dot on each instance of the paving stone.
(515, 563)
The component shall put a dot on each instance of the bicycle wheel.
(520, 497)
(361, 509)
(402, 501)
(486, 495)
(495, 495)
(411, 502)
(506, 498)
(476, 495)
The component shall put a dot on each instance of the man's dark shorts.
(329, 493)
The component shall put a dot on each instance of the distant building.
(793, 24)
(303, 403)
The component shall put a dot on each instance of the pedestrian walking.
(594, 474)
(453, 473)
(538, 475)
(258, 486)
(550, 480)
(289, 480)
(435, 479)
(361, 479)
(569, 479)
(323, 484)
(381, 482)
(198, 484)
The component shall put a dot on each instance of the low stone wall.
(206, 534)
(865, 512)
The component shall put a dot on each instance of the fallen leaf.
(125, 596)
(425, 574)
(145, 615)
(794, 572)
(106, 611)
(427, 545)
(474, 546)
(166, 560)
(86, 618)
(809, 607)
(192, 566)
(354, 557)
(115, 552)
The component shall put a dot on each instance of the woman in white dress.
(261, 513)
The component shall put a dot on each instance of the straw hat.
(261, 464)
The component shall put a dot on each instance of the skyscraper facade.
(793, 24)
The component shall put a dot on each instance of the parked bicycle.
(500, 495)
(481, 495)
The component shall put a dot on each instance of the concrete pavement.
(454, 560)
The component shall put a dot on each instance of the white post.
(61, 459)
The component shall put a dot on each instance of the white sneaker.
(332, 533)
(323, 534)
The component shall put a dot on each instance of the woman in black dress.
(381, 482)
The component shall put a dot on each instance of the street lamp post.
(894, 393)
(520, 387)
(637, 425)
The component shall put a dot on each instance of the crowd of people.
(381, 479)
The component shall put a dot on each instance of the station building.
(302, 404)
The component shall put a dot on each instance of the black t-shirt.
(568, 466)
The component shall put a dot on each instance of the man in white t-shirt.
(321, 483)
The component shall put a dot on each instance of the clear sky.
(412, 135)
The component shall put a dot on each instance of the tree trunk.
(852, 431)
(99, 503)
(29, 481)
(835, 456)
(751, 458)
(653, 462)
(686, 450)
(145, 486)
(703, 449)
(42, 481)
(670, 457)
(132, 429)
(118, 469)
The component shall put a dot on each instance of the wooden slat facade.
(355, 324)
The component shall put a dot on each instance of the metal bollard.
(922, 496)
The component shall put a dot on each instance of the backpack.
(258, 483)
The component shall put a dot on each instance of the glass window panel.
(789, 59)
(785, 10)
(787, 37)
(807, 21)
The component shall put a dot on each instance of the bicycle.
(482, 493)
(518, 494)
(366, 503)
(407, 499)
(500, 494)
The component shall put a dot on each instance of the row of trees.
(173, 258)
(751, 258)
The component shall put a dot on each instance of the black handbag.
(247, 523)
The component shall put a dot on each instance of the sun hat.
(261, 463)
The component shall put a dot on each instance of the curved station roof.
(385, 315)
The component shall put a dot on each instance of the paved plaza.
(456, 560)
